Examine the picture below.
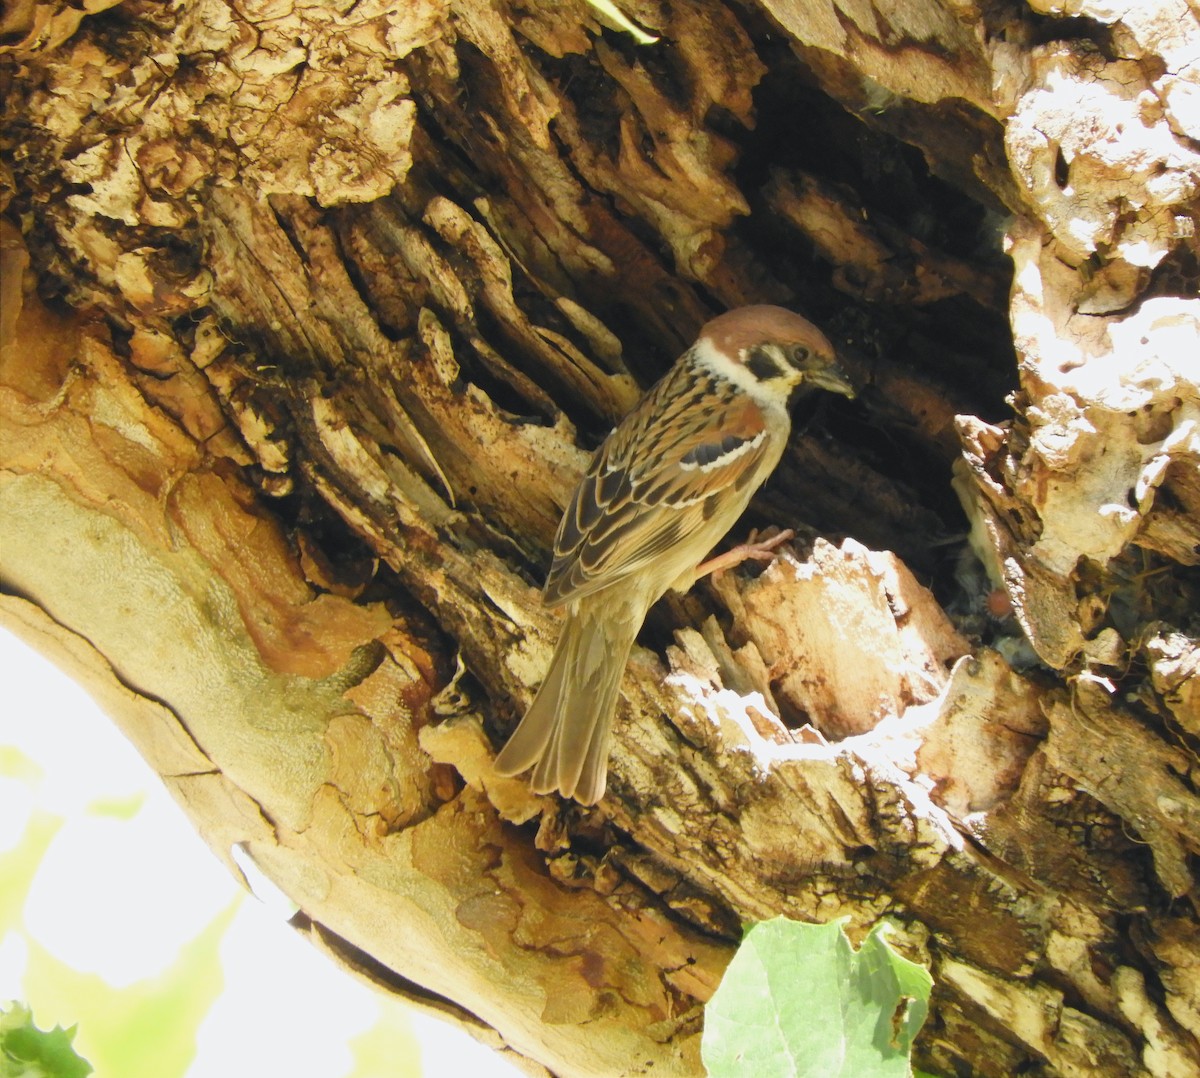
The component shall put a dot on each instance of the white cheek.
(774, 393)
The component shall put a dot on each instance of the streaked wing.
(652, 482)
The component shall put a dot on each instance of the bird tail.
(566, 733)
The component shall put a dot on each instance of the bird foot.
(754, 549)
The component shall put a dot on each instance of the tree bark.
(311, 317)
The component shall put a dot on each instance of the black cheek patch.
(762, 365)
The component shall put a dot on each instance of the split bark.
(310, 318)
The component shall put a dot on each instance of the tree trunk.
(311, 318)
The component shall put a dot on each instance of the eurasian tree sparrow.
(662, 490)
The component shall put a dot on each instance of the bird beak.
(833, 378)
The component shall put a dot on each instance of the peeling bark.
(311, 317)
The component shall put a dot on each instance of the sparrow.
(661, 491)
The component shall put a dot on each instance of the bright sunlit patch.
(14, 957)
(16, 810)
(265, 889)
(129, 907)
(276, 981)
(443, 1053)
(89, 764)
(616, 17)
(119, 898)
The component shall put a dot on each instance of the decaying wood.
(311, 316)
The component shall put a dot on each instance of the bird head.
(778, 350)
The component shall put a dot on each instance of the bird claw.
(754, 549)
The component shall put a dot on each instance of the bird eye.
(800, 354)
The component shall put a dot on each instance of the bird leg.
(753, 549)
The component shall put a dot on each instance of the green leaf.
(798, 1001)
(28, 1052)
(118, 808)
(15, 764)
(147, 1029)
